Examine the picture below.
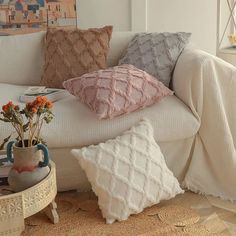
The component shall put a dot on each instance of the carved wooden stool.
(15, 207)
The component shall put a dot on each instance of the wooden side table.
(15, 207)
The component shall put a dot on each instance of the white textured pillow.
(21, 58)
(128, 173)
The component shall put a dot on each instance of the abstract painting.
(36, 13)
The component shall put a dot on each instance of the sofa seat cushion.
(75, 125)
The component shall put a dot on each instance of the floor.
(208, 212)
(80, 215)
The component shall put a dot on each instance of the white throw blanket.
(208, 86)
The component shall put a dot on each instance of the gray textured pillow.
(156, 53)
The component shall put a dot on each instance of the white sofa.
(175, 119)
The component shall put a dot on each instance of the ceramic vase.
(30, 165)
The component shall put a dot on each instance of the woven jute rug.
(186, 215)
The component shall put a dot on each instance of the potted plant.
(27, 152)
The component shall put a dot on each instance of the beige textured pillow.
(73, 52)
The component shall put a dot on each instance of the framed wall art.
(36, 13)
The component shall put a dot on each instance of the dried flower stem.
(35, 113)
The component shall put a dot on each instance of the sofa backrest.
(119, 43)
(22, 56)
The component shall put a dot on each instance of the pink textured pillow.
(117, 90)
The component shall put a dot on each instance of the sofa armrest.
(194, 71)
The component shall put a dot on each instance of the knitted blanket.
(207, 85)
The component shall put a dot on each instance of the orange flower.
(49, 104)
(17, 108)
(40, 101)
(6, 108)
(34, 110)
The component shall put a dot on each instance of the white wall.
(97, 13)
(196, 16)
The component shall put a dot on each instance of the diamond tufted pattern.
(117, 90)
(74, 52)
(128, 173)
(156, 53)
